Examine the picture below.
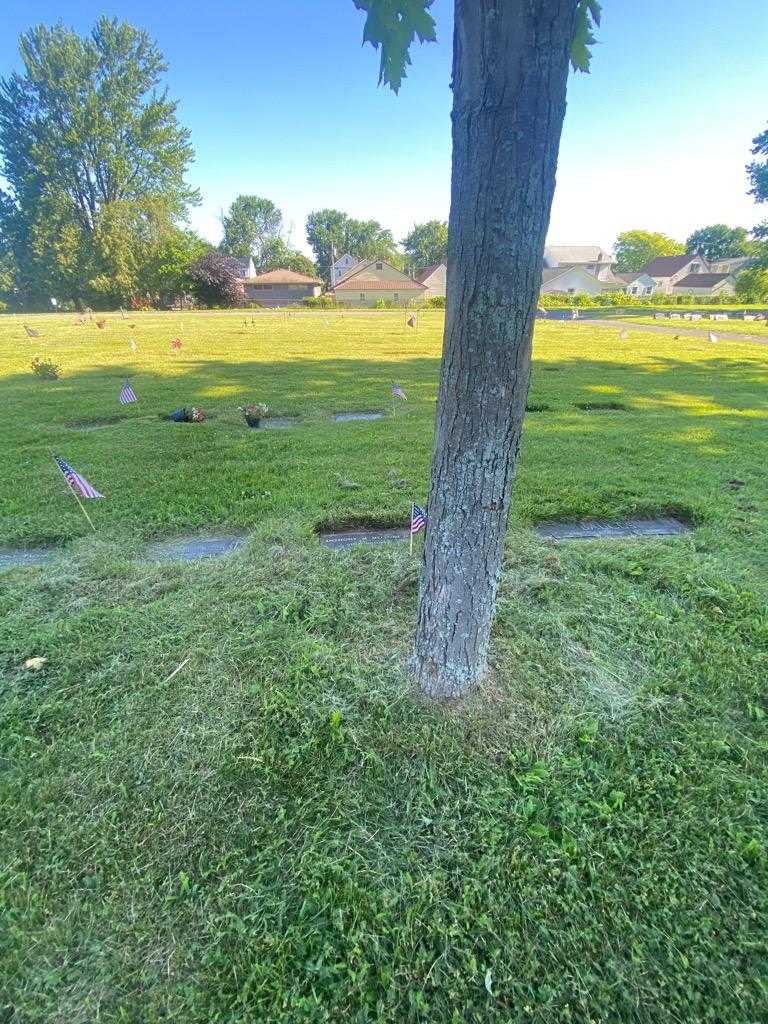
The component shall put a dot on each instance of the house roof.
(427, 272)
(552, 273)
(666, 266)
(702, 280)
(372, 284)
(577, 254)
(630, 276)
(280, 276)
(353, 279)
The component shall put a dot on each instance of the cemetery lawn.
(758, 329)
(281, 831)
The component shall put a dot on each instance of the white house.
(637, 282)
(373, 280)
(434, 280)
(570, 281)
(666, 271)
(705, 285)
(592, 258)
(342, 267)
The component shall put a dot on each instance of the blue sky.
(282, 101)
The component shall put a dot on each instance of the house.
(281, 287)
(733, 265)
(571, 280)
(637, 282)
(342, 267)
(666, 271)
(434, 280)
(705, 285)
(592, 258)
(373, 280)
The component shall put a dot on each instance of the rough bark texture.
(509, 81)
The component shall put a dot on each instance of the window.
(362, 296)
(695, 268)
(395, 297)
(379, 266)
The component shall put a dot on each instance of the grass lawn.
(283, 831)
(757, 328)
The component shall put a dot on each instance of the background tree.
(510, 70)
(279, 255)
(85, 127)
(217, 281)
(633, 249)
(758, 169)
(166, 274)
(426, 244)
(718, 242)
(333, 231)
(752, 284)
(251, 225)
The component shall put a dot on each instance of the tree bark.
(510, 70)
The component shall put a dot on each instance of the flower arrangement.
(184, 415)
(45, 369)
(254, 412)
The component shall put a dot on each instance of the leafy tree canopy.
(633, 249)
(333, 231)
(85, 123)
(426, 244)
(251, 225)
(217, 280)
(718, 242)
(278, 255)
(758, 169)
(752, 285)
(393, 25)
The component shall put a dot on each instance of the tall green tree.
(510, 70)
(333, 232)
(633, 249)
(278, 255)
(426, 244)
(85, 128)
(718, 242)
(758, 169)
(250, 226)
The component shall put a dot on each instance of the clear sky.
(282, 101)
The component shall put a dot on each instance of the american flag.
(397, 392)
(78, 483)
(418, 519)
(127, 395)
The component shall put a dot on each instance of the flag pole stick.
(75, 495)
(412, 507)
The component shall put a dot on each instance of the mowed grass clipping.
(283, 831)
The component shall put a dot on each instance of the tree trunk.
(510, 70)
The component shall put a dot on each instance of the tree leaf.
(588, 14)
(392, 26)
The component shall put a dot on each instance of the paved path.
(681, 328)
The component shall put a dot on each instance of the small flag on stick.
(418, 521)
(412, 321)
(624, 335)
(127, 395)
(31, 333)
(713, 337)
(176, 344)
(78, 485)
(397, 392)
(134, 347)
